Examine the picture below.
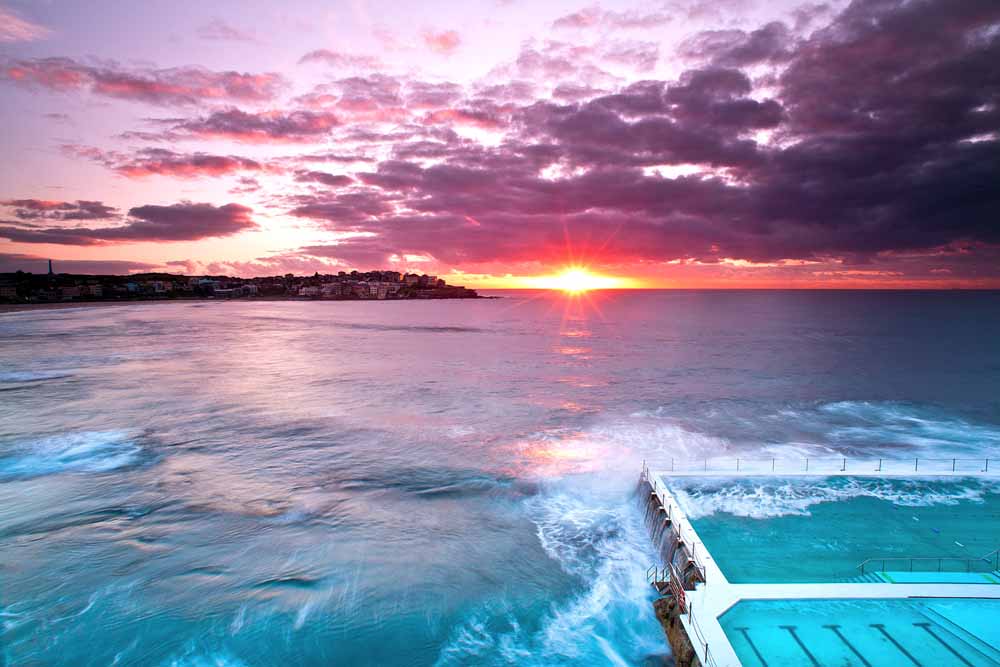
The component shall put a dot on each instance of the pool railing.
(827, 465)
(986, 563)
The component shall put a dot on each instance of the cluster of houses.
(23, 287)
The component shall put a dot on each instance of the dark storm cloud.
(885, 140)
(738, 48)
(185, 221)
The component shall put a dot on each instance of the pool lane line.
(791, 631)
(926, 627)
(836, 630)
(881, 628)
(746, 635)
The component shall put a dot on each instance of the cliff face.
(668, 613)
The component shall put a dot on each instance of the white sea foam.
(85, 451)
(595, 536)
(775, 498)
(921, 430)
(221, 659)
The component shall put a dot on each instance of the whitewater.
(445, 483)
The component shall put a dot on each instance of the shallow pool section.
(867, 633)
(815, 530)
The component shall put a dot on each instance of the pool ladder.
(991, 559)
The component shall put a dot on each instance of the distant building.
(8, 291)
(94, 290)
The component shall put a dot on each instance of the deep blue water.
(438, 483)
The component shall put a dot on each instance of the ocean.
(430, 483)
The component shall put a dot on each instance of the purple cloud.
(341, 59)
(220, 31)
(39, 209)
(147, 162)
(186, 221)
(165, 87)
(14, 28)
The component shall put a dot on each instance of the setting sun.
(578, 279)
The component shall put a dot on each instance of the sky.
(685, 143)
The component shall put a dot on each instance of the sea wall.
(672, 551)
(668, 613)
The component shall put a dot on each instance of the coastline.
(59, 305)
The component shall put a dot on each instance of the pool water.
(866, 633)
(820, 529)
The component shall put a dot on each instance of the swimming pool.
(784, 530)
(865, 632)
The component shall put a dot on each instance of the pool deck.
(717, 595)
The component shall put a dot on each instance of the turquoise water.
(820, 529)
(268, 484)
(865, 633)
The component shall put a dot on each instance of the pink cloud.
(219, 30)
(596, 17)
(340, 59)
(13, 28)
(175, 86)
(471, 117)
(256, 128)
(444, 42)
(163, 162)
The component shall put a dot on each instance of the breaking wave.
(777, 497)
(85, 451)
(596, 538)
(918, 429)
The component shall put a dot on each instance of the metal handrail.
(992, 560)
(709, 661)
(669, 507)
(820, 464)
(653, 575)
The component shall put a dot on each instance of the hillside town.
(22, 287)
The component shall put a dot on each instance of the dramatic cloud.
(423, 95)
(854, 143)
(185, 221)
(333, 180)
(445, 41)
(162, 162)
(176, 86)
(39, 209)
(862, 172)
(256, 128)
(13, 28)
(737, 48)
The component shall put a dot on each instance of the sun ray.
(577, 280)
